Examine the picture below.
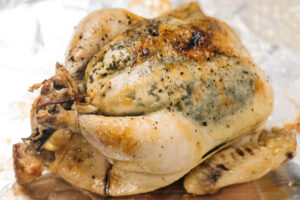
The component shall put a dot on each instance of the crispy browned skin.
(27, 167)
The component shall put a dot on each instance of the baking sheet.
(34, 35)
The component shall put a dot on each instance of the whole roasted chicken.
(140, 103)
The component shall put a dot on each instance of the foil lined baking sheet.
(34, 35)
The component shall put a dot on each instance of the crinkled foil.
(34, 35)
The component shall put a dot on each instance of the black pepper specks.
(129, 20)
(153, 28)
(104, 74)
(91, 78)
(186, 83)
(289, 155)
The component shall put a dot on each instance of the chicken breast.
(91, 34)
(188, 78)
(156, 101)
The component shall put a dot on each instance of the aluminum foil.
(34, 35)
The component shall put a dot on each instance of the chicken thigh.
(148, 102)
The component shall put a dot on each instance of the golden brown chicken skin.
(156, 99)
